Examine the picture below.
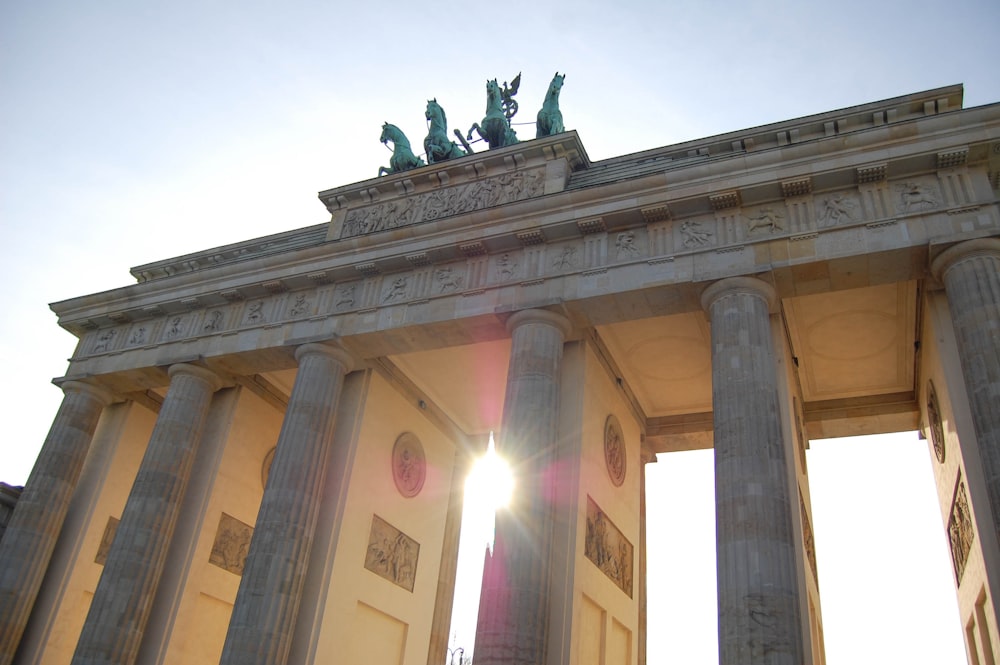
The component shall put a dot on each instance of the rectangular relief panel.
(232, 543)
(619, 645)
(392, 554)
(608, 548)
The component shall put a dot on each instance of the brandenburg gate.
(261, 450)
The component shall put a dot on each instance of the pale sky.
(132, 132)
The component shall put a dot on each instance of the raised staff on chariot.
(495, 128)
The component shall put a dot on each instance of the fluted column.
(758, 589)
(120, 608)
(514, 605)
(38, 517)
(270, 592)
(970, 272)
(646, 456)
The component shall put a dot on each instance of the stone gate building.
(260, 453)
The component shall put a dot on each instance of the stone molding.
(105, 397)
(527, 316)
(340, 355)
(968, 249)
(740, 285)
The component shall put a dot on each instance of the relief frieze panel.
(961, 533)
(595, 251)
(446, 202)
(391, 554)
(231, 545)
(607, 548)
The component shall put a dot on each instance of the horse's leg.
(383, 170)
(478, 129)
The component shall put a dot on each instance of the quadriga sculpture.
(402, 158)
(437, 145)
(495, 127)
(550, 120)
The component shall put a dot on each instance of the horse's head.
(434, 111)
(388, 133)
(492, 89)
(557, 82)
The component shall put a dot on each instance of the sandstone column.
(646, 456)
(970, 272)
(38, 517)
(758, 590)
(514, 606)
(124, 595)
(267, 603)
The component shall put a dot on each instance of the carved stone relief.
(392, 554)
(625, 246)
(836, 209)
(300, 305)
(214, 320)
(766, 220)
(934, 422)
(694, 234)
(232, 543)
(106, 539)
(265, 467)
(396, 290)
(447, 279)
(105, 340)
(607, 548)
(254, 313)
(807, 537)
(960, 531)
(506, 267)
(440, 203)
(345, 297)
(915, 197)
(567, 258)
(175, 327)
(138, 336)
(409, 465)
(614, 450)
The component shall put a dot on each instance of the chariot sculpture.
(495, 128)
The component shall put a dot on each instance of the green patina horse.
(402, 158)
(437, 145)
(550, 120)
(495, 128)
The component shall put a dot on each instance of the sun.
(490, 484)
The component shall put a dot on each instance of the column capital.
(208, 376)
(961, 251)
(525, 316)
(334, 352)
(102, 395)
(740, 285)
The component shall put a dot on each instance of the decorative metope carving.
(608, 548)
(960, 531)
(934, 422)
(839, 208)
(440, 203)
(232, 542)
(392, 554)
(105, 546)
(409, 466)
(915, 197)
(614, 450)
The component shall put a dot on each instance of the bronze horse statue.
(550, 120)
(402, 158)
(495, 127)
(437, 145)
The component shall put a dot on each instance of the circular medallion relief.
(265, 468)
(409, 466)
(934, 422)
(614, 450)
